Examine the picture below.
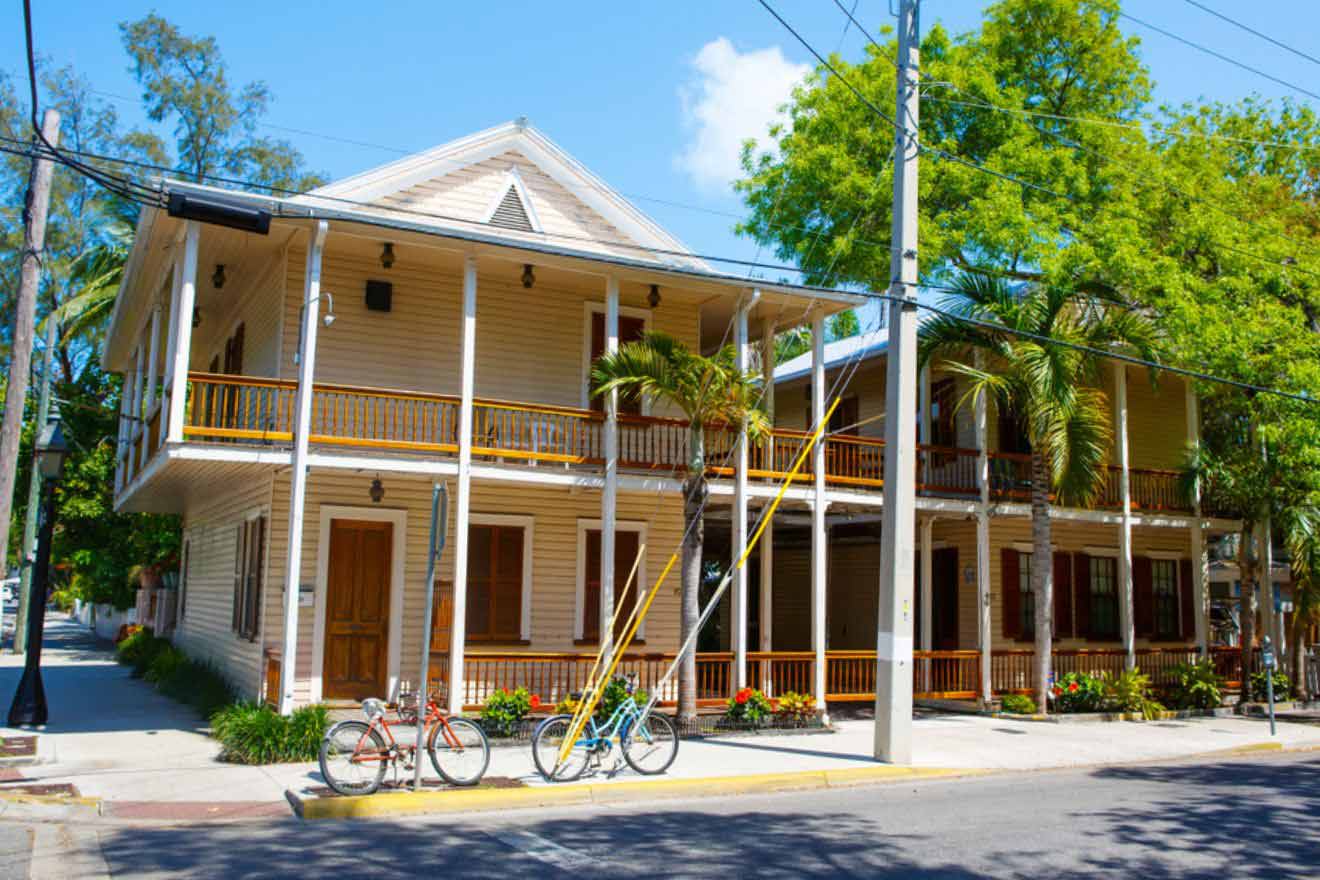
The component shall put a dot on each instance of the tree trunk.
(1297, 653)
(694, 499)
(1247, 605)
(1042, 575)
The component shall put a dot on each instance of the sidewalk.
(116, 739)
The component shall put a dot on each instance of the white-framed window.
(499, 578)
(629, 540)
(632, 324)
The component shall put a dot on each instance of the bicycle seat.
(576, 696)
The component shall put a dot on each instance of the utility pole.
(28, 548)
(25, 311)
(893, 674)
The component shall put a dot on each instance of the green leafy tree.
(708, 391)
(1053, 389)
(185, 81)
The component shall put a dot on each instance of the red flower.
(742, 696)
(1057, 690)
(534, 702)
(1072, 687)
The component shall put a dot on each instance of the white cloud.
(733, 96)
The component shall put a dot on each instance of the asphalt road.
(1257, 817)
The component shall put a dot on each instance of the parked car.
(9, 590)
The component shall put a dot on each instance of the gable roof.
(509, 180)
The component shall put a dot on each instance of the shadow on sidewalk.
(87, 691)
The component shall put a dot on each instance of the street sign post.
(439, 528)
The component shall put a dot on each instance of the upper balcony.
(251, 412)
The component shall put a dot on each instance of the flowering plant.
(796, 707)
(748, 705)
(1079, 692)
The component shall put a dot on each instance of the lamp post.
(29, 706)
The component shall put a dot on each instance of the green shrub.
(198, 685)
(1018, 704)
(1080, 692)
(257, 734)
(748, 706)
(1282, 685)
(165, 665)
(796, 707)
(62, 600)
(1196, 686)
(614, 695)
(504, 710)
(1131, 692)
(140, 649)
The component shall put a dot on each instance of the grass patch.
(257, 734)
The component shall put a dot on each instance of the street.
(1240, 817)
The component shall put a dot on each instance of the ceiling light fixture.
(654, 296)
(387, 255)
(218, 278)
(528, 276)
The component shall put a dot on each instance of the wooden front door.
(357, 614)
(944, 598)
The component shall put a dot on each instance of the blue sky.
(650, 96)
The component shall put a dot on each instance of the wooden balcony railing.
(224, 408)
(1013, 671)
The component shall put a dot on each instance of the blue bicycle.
(649, 746)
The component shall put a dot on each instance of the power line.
(1237, 24)
(1220, 55)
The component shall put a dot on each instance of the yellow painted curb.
(19, 797)
(1247, 749)
(476, 800)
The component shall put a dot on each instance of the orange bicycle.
(355, 754)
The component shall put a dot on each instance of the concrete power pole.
(25, 312)
(28, 548)
(893, 674)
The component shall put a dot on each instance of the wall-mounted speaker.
(379, 294)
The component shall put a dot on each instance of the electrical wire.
(1220, 55)
(1237, 24)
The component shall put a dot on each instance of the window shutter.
(1063, 595)
(255, 577)
(1187, 601)
(506, 584)
(591, 588)
(238, 351)
(1011, 607)
(625, 594)
(478, 581)
(240, 551)
(1082, 593)
(1143, 596)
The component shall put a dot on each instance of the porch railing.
(223, 408)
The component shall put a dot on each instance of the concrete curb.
(478, 800)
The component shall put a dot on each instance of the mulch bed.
(63, 789)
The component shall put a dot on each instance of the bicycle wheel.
(353, 758)
(546, 743)
(651, 747)
(459, 751)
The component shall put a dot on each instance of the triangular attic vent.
(511, 214)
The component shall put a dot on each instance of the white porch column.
(927, 595)
(767, 544)
(819, 539)
(153, 349)
(984, 637)
(739, 635)
(609, 495)
(181, 339)
(125, 427)
(311, 311)
(171, 340)
(136, 425)
(923, 422)
(463, 505)
(1200, 558)
(1126, 630)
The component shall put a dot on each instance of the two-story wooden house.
(299, 373)
(1130, 579)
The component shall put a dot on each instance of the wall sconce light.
(387, 255)
(653, 298)
(197, 317)
(528, 276)
(377, 491)
(218, 279)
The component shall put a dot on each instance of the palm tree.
(1302, 537)
(709, 391)
(1053, 388)
(94, 279)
